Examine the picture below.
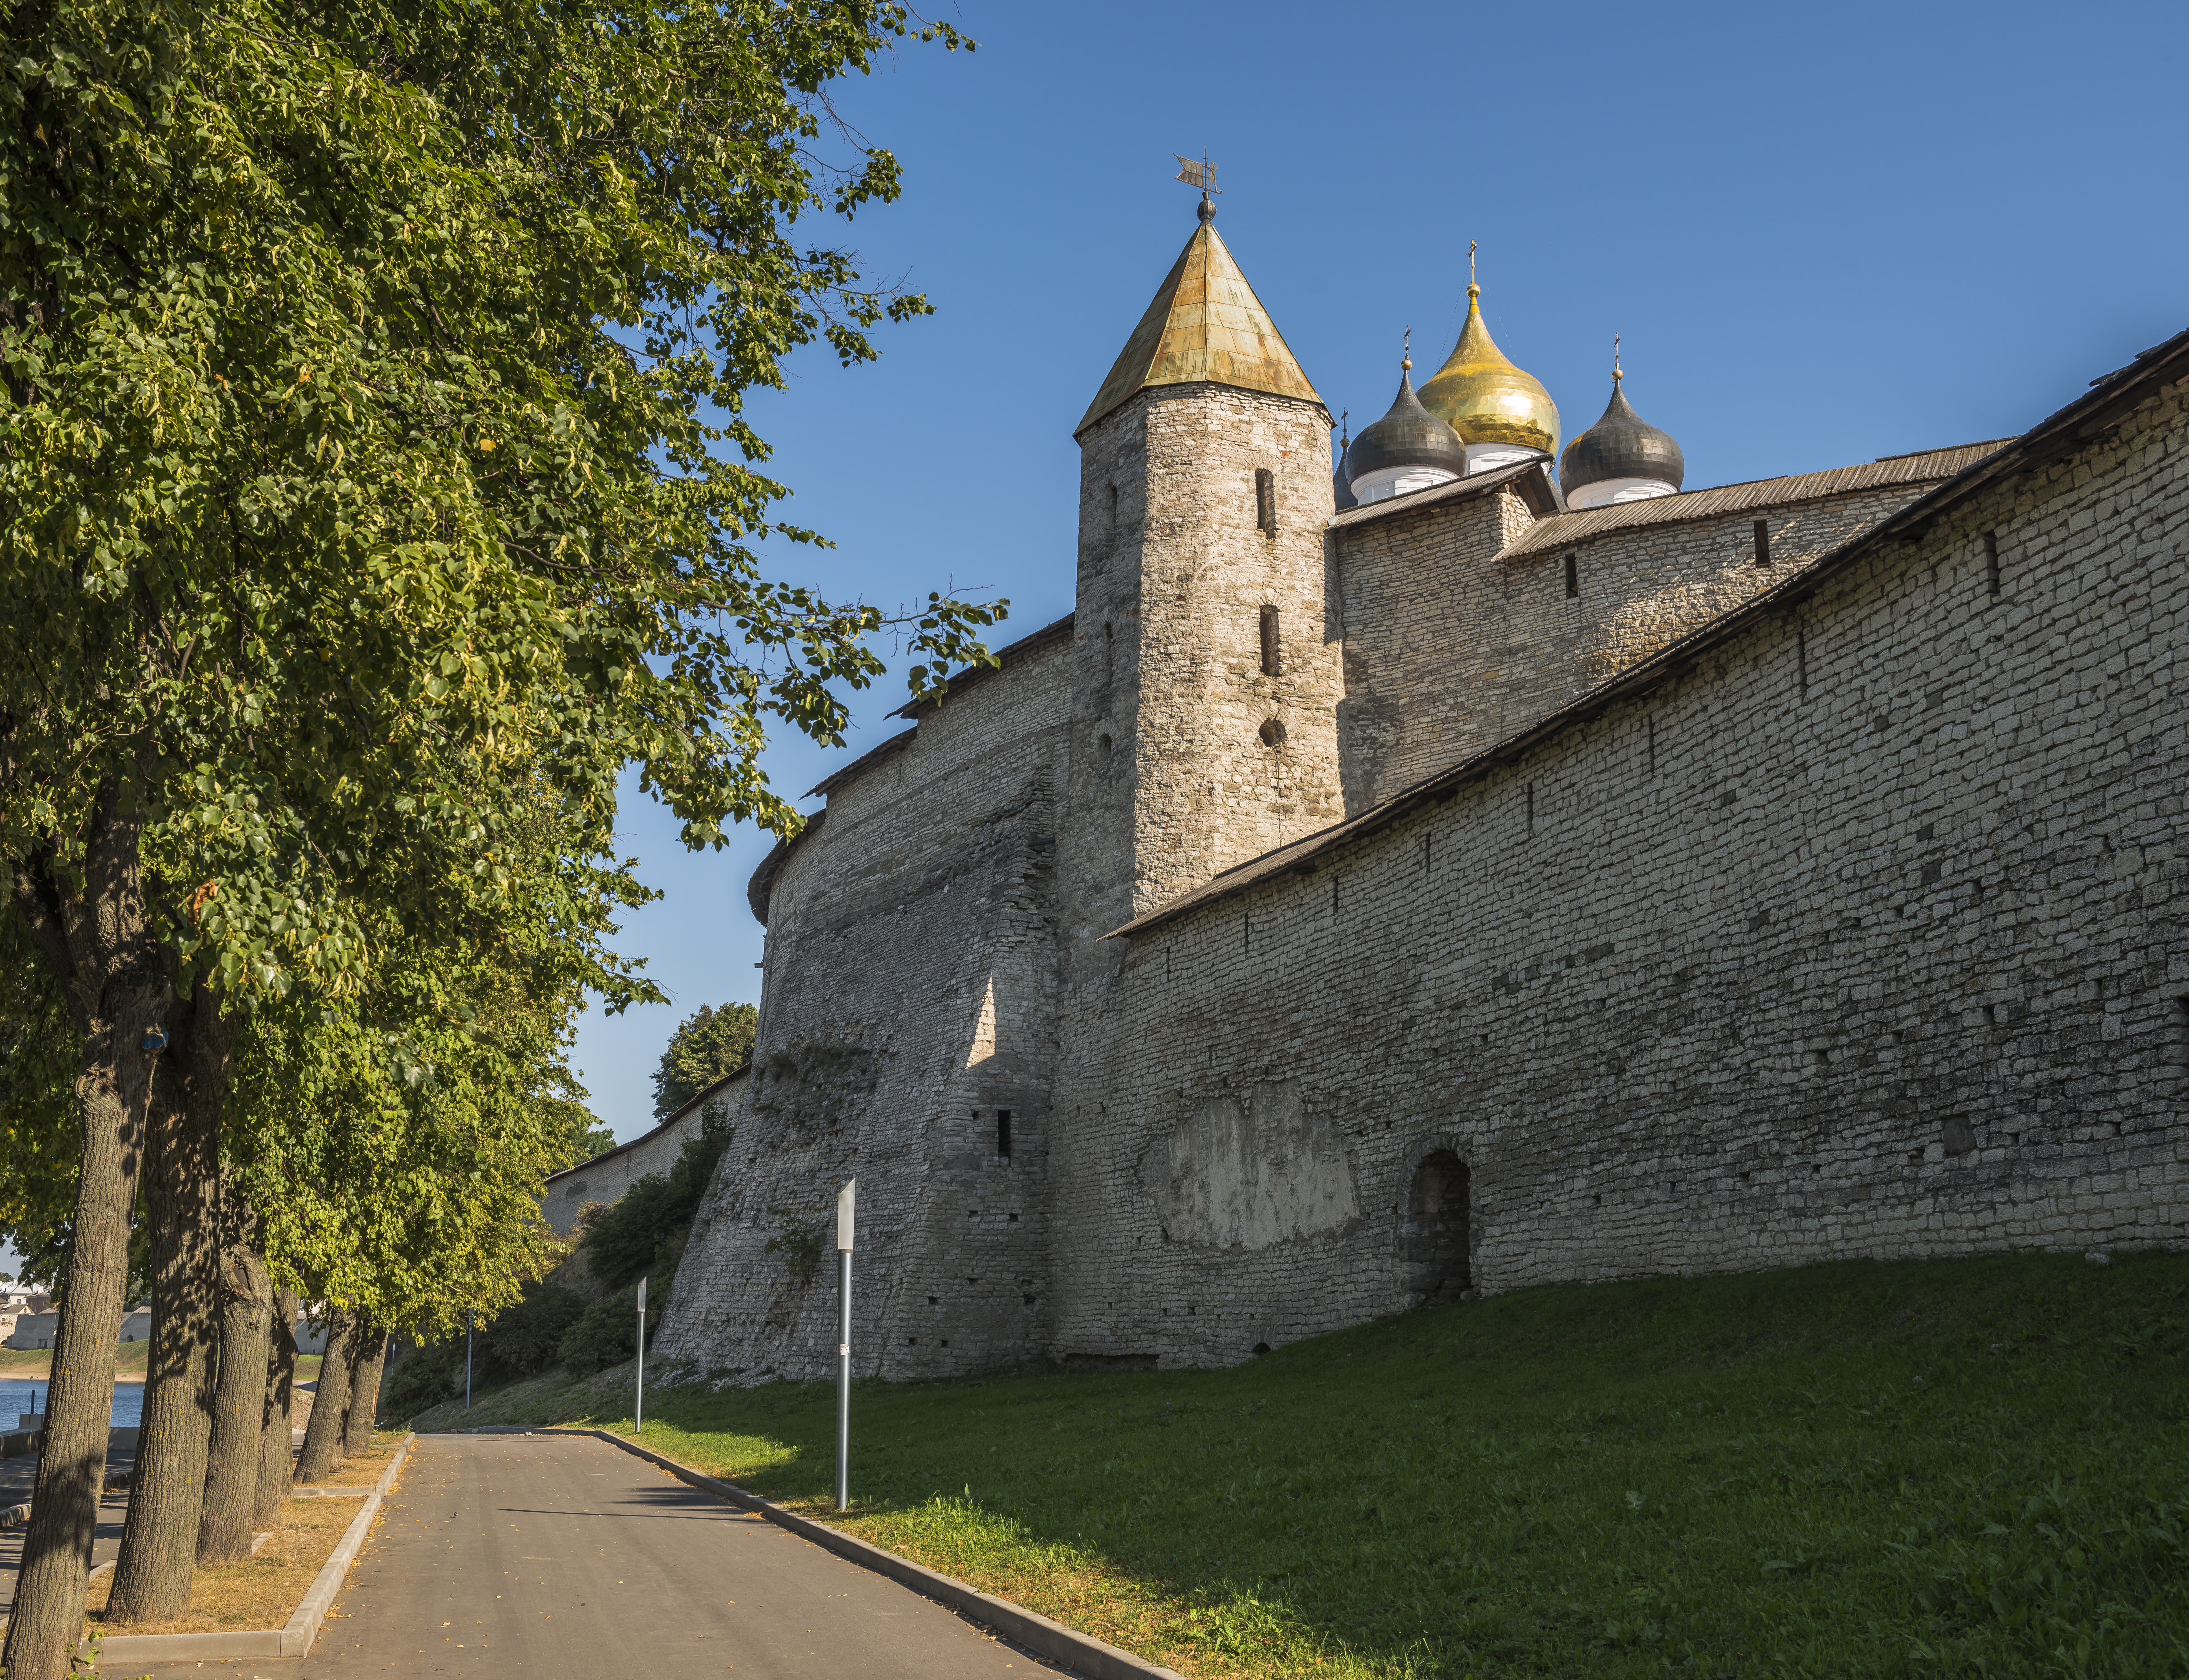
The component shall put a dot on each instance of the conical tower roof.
(1205, 324)
(1483, 397)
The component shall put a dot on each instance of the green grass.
(1933, 1468)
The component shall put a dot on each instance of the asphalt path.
(545, 1555)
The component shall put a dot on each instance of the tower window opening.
(1801, 663)
(1762, 542)
(1531, 807)
(1273, 734)
(1991, 562)
(1002, 1134)
(1270, 645)
(1572, 576)
(1104, 742)
(1109, 654)
(1265, 500)
(1653, 743)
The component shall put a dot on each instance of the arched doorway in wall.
(1433, 1262)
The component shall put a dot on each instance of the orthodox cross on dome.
(1472, 287)
(1407, 354)
(1616, 375)
(1201, 175)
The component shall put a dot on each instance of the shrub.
(523, 1341)
(605, 1336)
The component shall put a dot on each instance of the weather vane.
(1201, 175)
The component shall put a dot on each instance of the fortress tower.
(1206, 660)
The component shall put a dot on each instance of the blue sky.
(1824, 234)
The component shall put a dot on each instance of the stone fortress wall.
(1862, 934)
(604, 1180)
(1474, 609)
(1840, 927)
(909, 994)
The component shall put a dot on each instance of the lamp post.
(845, 1198)
(467, 1359)
(638, 1405)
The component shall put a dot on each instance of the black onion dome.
(1621, 445)
(1408, 435)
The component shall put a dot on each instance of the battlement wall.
(1859, 933)
(1469, 623)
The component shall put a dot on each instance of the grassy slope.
(1938, 1467)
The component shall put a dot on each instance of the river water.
(18, 1396)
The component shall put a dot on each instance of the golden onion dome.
(1484, 398)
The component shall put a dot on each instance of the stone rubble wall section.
(909, 992)
(1863, 936)
(1450, 649)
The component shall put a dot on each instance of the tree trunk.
(119, 982)
(322, 1434)
(367, 1364)
(274, 1462)
(239, 1417)
(167, 1485)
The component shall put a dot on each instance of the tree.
(709, 1046)
(359, 360)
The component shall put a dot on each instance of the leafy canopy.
(708, 1047)
(368, 367)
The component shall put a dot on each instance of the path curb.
(294, 1640)
(1083, 1653)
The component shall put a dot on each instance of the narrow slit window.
(1265, 500)
(1653, 743)
(1991, 562)
(1531, 807)
(1002, 1134)
(1801, 663)
(1573, 577)
(1270, 644)
(1762, 542)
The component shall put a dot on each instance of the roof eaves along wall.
(1529, 477)
(972, 675)
(1923, 466)
(705, 1096)
(2112, 396)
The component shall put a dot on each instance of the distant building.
(33, 1331)
(605, 1178)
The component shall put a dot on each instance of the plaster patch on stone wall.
(1243, 1175)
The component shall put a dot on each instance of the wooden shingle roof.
(1924, 466)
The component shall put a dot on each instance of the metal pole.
(467, 1359)
(845, 1198)
(638, 1406)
